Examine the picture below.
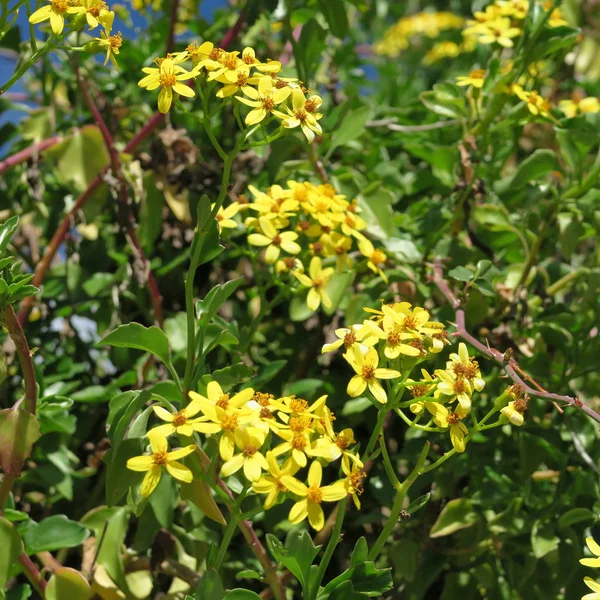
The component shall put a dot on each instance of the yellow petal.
(593, 546)
(335, 491)
(139, 463)
(356, 386)
(180, 452)
(293, 485)
(298, 512)
(151, 480)
(179, 471)
(232, 466)
(316, 518)
(315, 474)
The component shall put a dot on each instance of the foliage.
(324, 326)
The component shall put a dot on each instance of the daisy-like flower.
(395, 337)
(367, 373)
(332, 449)
(419, 389)
(55, 13)
(594, 548)
(182, 422)
(300, 116)
(297, 442)
(112, 44)
(445, 418)
(249, 59)
(500, 32)
(348, 336)
(457, 388)
(312, 496)
(160, 458)
(462, 365)
(169, 77)
(514, 412)
(354, 483)
(274, 240)
(474, 78)
(225, 216)
(316, 280)
(594, 586)
(240, 84)
(249, 441)
(575, 106)
(199, 53)
(271, 483)
(375, 257)
(264, 100)
(217, 397)
(95, 10)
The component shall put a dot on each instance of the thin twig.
(28, 152)
(510, 366)
(393, 126)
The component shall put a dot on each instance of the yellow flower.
(312, 496)
(225, 216)
(181, 422)
(317, 281)
(168, 76)
(95, 10)
(444, 418)
(263, 101)
(354, 483)
(216, 396)
(332, 449)
(271, 484)
(338, 245)
(348, 336)
(514, 410)
(249, 441)
(199, 53)
(298, 406)
(302, 114)
(594, 586)
(274, 240)
(394, 335)
(419, 389)
(112, 43)
(375, 256)
(456, 387)
(475, 78)
(535, 103)
(594, 548)
(249, 59)
(367, 373)
(575, 106)
(462, 365)
(241, 84)
(499, 31)
(55, 12)
(296, 442)
(153, 463)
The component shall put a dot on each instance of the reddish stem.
(510, 366)
(27, 153)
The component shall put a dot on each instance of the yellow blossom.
(271, 483)
(303, 115)
(445, 418)
(225, 216)
(316, 280)
(594, 586)
(263, 101)
(367, 373)
(475, 78)
(312, 496)
(249, 441)
(181, 422)
(274, 240)
(160, 457)
(55, 13)
(594, 548)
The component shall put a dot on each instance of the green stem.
(373, 440)
(26, 65)
(387, 463)
(413, 424)
(229, 531)
(334, 540)
(398, 503)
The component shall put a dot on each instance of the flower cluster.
(267, 439)
(428, 24)
(93, 12)
(593, 585)
(306, 225)
(244, 77)
(578, 105)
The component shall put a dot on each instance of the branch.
(27, 153)
(510, 366)
(127, 218)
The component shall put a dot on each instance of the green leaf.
(206, 309)
(355, 406)
(360, 552)
(10, 548)
(118, 477)
(418, 504)
(335, 14)
(211, 247)
(365, 578)
(346, 591)
(133, 335)
(456, 515)
(229, 377)
(200, 494)
(19, 430)
(576, 515)
(297, 556)
(543, 539)
(54, 533)
(461, 274)
(535, 166)
(210, 586)
(114, 537)
(151, 206)
(379, 212)
(67, 583)
(445, 99)
(351, 128)
(266, 374)
(298, 309)
(240, 594)
(6, 231)
(311, 45)
(337, 287)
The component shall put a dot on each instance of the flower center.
(318, 282)
(223, 401)
(368, 372)
(60, 6)
(249, 60)
(229, 61)
(265, 413)
(95, 9)
(477, 74)
(276, 240)
(298, 405)
(342, 442)
(280, 84)
(378, 257)
(310, 106)
(242, 80)
(268, 103)
(262, 399)
(215, 53)
(229, 422)
(179, 419)
(349, 339)
(115, 41)
(298, 441)
(409, 322)
(459, 386)
(159, 458)
(301, 115)
(314, 494)
(168, 79)
(298, 424)
(249, 451)
(356, 481)
(393, 338)
(419, 390)
(453, 418)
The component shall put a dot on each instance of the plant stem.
(387, 464)
(398, 502)
(373, 440)
(331, 546)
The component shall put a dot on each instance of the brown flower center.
(368, 372)
(179, 419)
(314, 494)
(349, 339)
(268, 103)
(249, 451)
(159, 458)
(60, 6)
(453, 418)
(168, 79)
(298, 405)
(229, 422)
(223, 401)
(298, 441)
